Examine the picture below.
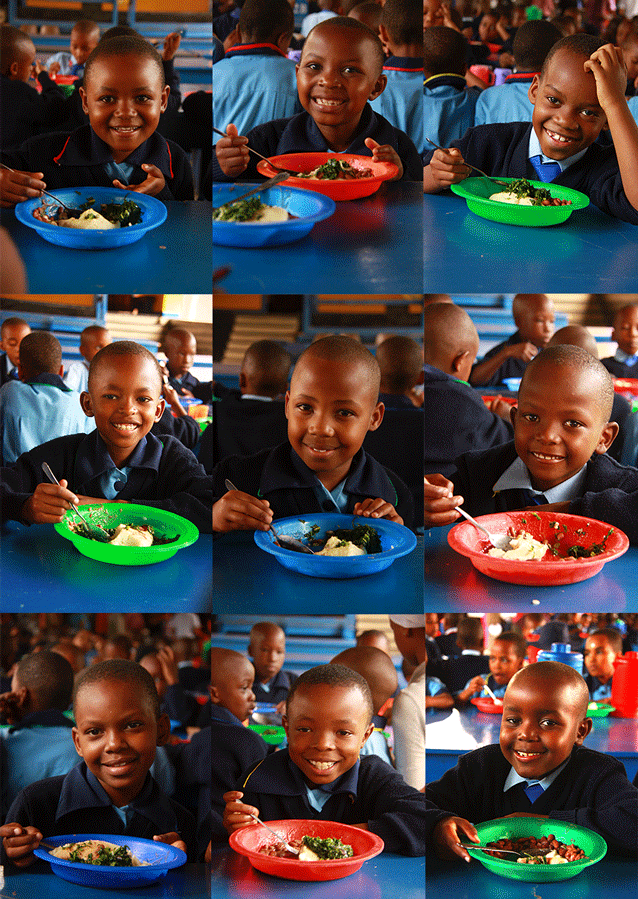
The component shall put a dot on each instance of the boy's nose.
(114, 739)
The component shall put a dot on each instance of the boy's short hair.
(448, 329)
(264, 20)
(551, 672)
(124, 45)
(403, 20)
(86, 27)
(40, 352)
(267, 364)
(123, 348)
(333, 676)
(264, 629)
(532, 43)
(617, 314)
(400, 359)
(516, 641)
(580, 44)
(119, 31)
(119, 670)
(48, 675)
(469, 633)
(612, 635)
(174, 331)
(345, 23)
(444, 50)
(348, 352)
(579, 359)
(12, 322)
(375, 666)
(14, 44)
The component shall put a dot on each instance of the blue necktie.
(546, 171)
(533, 791)
(631, 360)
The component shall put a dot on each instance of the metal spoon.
(272, 165)
(255, 190)
(285, 541)
(508, 851)
(97, 532)
(279, 837)
(74, 212)
(470, 166)
(498, 541)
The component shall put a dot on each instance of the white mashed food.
(127, 535)
(522, 547)
(90, 220)
(82, 851)
(508, 196)
(307, 855)
(270, 214)
(336, 547)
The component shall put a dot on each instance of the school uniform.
(300, 134)
(34, 411)
(503, 150)
(160, 473)
(276, 689)
(246, 426)
(206, 449)
(182, 707)
(76, 376)
(456, 421)
(448, 110)
(455, 673)
(507, 102)
(598, 690)
(376, 744)
(370, 792)
(434, 686)
(184, 428)
(192, 762)
(291, 488)
(401, 103)
(513, 367)
(24, 112)
(497, 689)
(82, 159)
(621, 365)
(77, 803)
(201, 390)
(253, 84)
(8, 371)
(235, 748)
(592, 790)
(447, 644)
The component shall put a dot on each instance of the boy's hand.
(48, 503)
(16, 186)
(439, 501)
(171, 45)
(608, 68)
(448, 834)
(237, 511)
(448, 167)
(385, 153)
(377, 508)
(171, 839)
(236, 814)
(54, 68)
(500, 407)
(19, 843)
(10, 708)
(231, 153)
(476, 684)
(525, 351)
(166, 659)
(153, 184)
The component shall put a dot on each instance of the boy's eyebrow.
(515, 708)
(337, 402)
(556, 90)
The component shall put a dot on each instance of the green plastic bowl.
(601, 711)
(110, 515)
(590, 842)
(477, 191)
(270, 733)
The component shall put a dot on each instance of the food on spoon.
(311, 849)
(522, 193)
(252, 209)
(336, 169)
(533, 850)
(98, 852)
(523, 547)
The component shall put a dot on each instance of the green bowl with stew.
(477, 193)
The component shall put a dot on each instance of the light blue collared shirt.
(514, 778)
(338, 497)
(517, 476)
(535, 150)
(622, 356)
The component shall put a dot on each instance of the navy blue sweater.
(511, 368)
(279, 687)
(592, 790)
(24, 112)
(620, 369)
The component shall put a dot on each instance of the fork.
(472, 167)
(272, 165)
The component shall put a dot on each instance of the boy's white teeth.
(527, 755)
(321, 766)
(126, 129)
(125, 427)
(558, 137)
(321, 101)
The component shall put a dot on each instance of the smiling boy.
(267, 649)
(12, 331)
(601, 650)
(539, 768)
(625, 332)
(507, 656)
(579, 92)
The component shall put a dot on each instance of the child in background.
(400, 360)
(436, 693)
(38, 407)
(85, 35)
(533, 315)
(320, 774)
(120, 460)
(340, 70)
(471, 661)
(408, 709)
(92, 339)
(12, 330)
(123, 93)
(448, 102)
(331, 405)
(507, 656)
(368, 13)
(374, 638)
(625, 332)
(118, 727)
(630, 56)
(538, 769)
(580, 91)
(602, 648)
(264, 371)
(180, 348)
(327, 10)
(267, 649)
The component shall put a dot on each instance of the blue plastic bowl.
(160, 857)
(512, 384)
(153, 215)
(396, 541)
(308, 206)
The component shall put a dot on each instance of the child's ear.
(377, 417)
(287, 398)
(22, 695)
(584, 728)
(513, 414)
(85, 108)
(85, 402)
(284, 724)
(163, 729)
(159, 411)
(76, 741)
(458, 363)
(607, 437)
(368, 732)
(165, 94)
(533, 90)
(214, 694)
(379, 87)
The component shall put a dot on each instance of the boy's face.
(82, 44)
(625, 331)
(180, 352)
(11, 338)
(433, 13)
(487, 28)
(558, 424)
(116, 734)
(326, 727)
(23, 64)
(123, 99)
(235, 689)
(268, 652)
(536, 322)
(91, 344)
(630, 56)
(431, 624)
(567, 116)
(599, 657)
(338, 73)
(152, 665)
(125, 401)
(541, 724)
(329, 409)
(504, 662)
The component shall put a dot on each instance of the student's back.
(448, 103)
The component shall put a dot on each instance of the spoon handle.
(279, 837)
(54, 480)
(42, 190)
(474, 522)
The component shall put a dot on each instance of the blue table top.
(613, 876)
(41, 572)
(174, 258)
(368, 246)
(379, 878)
(452, 583)
(249, 580)
(463, 253)
(188, 882)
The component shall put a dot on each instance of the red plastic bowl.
(247, 841)
(485, 704)
(338, 189)
(466, 540)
